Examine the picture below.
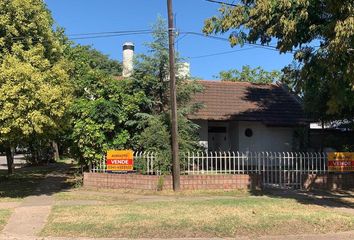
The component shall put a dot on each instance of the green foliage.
(248, 74)
(86, 58)
(35, 89)
(151, 76)
(101, 117)
(104, 107)
(297, 26)
(156, 137)
(25, 24)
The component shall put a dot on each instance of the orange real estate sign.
(120, 160)
(341, 162)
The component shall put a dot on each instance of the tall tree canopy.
(35, 89)
(319, 32)
(128, 113)
(151, 75)
(102, 107)
(248, 74)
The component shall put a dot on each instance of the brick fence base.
(152, 182)
(328, 181)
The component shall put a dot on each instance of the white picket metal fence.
(282, 169)
(276, 169)
(143, 162)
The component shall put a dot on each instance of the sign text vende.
(341, 162)
(120, 160)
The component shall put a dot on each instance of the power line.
(225, 39)
(110, 35)
(221, 53)
(104, 34)
(34, 40)
(220, 2)
(114, 32)
(95, 35)
(181, 37)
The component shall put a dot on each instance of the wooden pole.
(174, 127)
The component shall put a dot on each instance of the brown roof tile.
(269, 103)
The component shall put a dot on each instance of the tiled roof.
(270, 103)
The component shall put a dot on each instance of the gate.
(288, 170)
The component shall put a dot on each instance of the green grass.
(217, 217)
(4, 216)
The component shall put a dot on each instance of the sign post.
(120, 160)
(341, 162)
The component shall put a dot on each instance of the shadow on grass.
(331, 199)
(31, 181)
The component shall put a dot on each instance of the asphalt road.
(19, 161)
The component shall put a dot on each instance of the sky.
(88, 16)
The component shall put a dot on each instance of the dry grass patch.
(21, 184)
(111, 195)
(251, 216)
(4, 216)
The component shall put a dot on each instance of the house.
(242, 116)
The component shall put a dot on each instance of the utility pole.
(174, 128)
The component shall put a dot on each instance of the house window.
(248, 132)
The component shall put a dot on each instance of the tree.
(298, 26)
(128, 113)
(87, 58)
(248, 74)
(35, 90)
(152, 77)
(101, 117)
(103, 105)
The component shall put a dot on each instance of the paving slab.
(27, 221)
(78, 202)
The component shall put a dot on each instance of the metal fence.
(282, 169)
(275, 168)
(144, 162)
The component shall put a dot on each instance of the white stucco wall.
(275, 139)
(264, 138)
(202, 132)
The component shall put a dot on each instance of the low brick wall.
(329, 181)
(189, 182)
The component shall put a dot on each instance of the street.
(19, 161)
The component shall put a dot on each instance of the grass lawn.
(112, 195)
(4, 216)
(195, 217)
(23, 182)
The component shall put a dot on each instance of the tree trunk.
(56, 151)
(10, 160)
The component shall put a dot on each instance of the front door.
(218, 139)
